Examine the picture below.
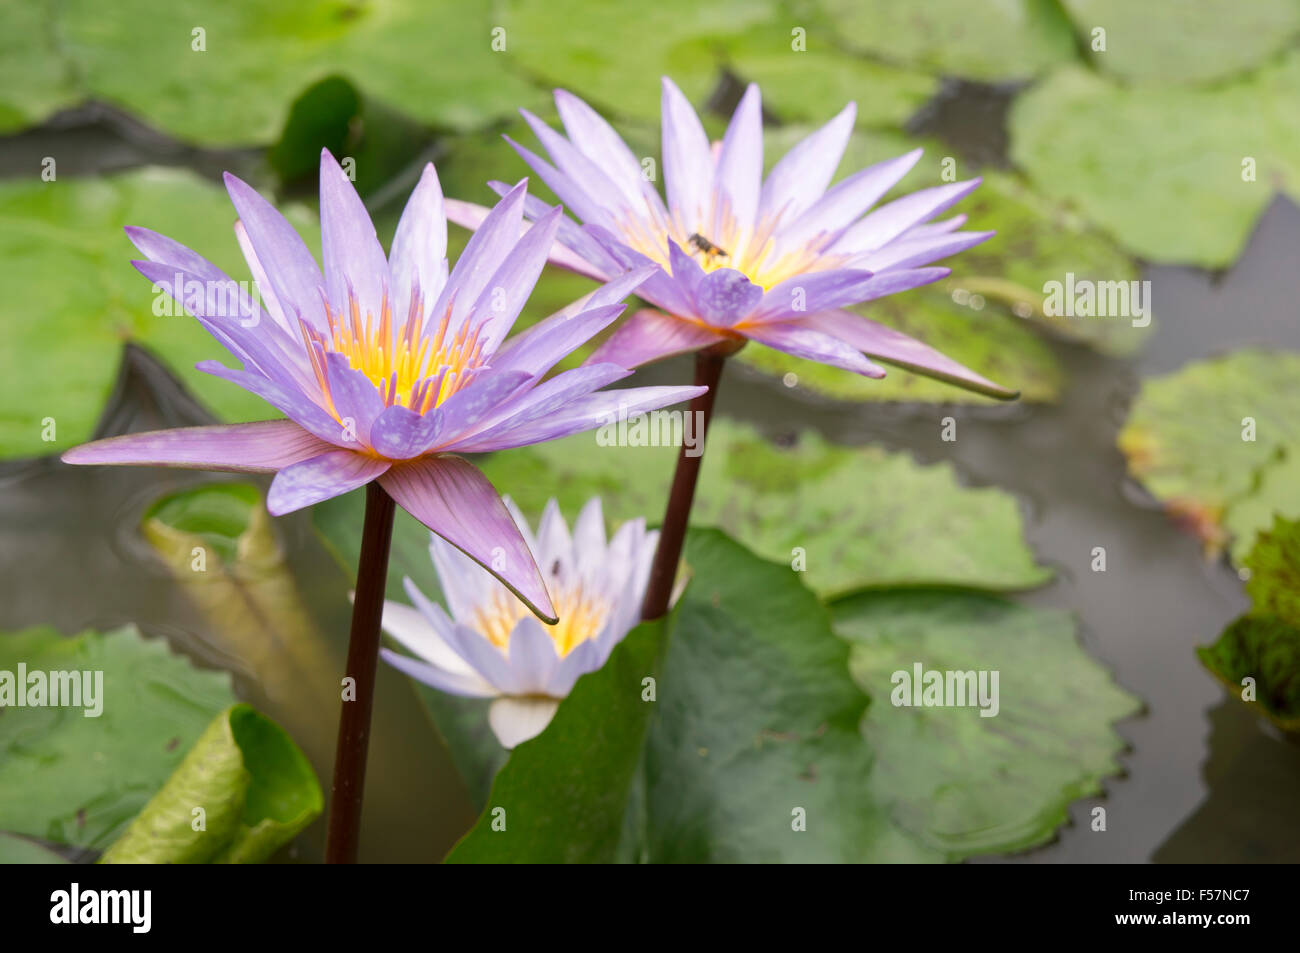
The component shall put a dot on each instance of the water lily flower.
(739, 257)
(488, 647)
(386, 366)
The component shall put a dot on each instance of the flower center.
(581, 618)
(414, 365)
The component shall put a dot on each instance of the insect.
(710, 250)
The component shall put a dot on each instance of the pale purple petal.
(262, 447)
(532, 655)
(471, 216)
(739, 176)
(419, 256)
(419, 634)
(726, 296)
(505, 295)
(688, 160)
(650, 335)
(467, 686)
(907, 252)
(801, 176)
(805, 294)
(845, 202)
(319, 478)
(457, 502)
(354, 260)
(599, 142)
(484, 253)
(889, 221)
(291, 402)
(814, 345)
(399, 433)
(295, 278)
(265, 290)
(486, 659)
(887, 344)
(356, 400)
(559, 339)
(470, 408)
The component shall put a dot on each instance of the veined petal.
(516, 719)
(606, 196)
(470, 408)
(471, 216)
(419, 255)
(289, 401)
(414, 632)
(484, 253)
(262, 447)
(505, 295)
(739, 177)
(467, 686)
(805, 294)
(455, 500)
(812, 345)
(889, 221)
(801, 176)
(688, 160)
(288, 265)
(908, 252)
(265, 290)
(650, 335)
(598, 141)
(322, 477)
(887, 344)
(354, 260)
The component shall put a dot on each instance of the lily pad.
(1196, 42)
(1276, 493)
(20, 850)
(76, 299)
(964, 783)
(255, 60)
(1266, 650)
(72, 779)
(1015, 39)
(1173, 174)
(35, 80)
(815, 773)
(853, 517)
(1274, 564)
(1205, 439)
(255, 788)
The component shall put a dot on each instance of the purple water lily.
(384, 366)
(740, 257)
(489, 647)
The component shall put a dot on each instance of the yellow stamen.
(581, 618)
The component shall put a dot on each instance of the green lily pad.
(814, 774)
(20, 850)
(1274, 564)
(1016, 39)
(1186, 42)
(34, 80)
(964, 783)
(1173, 174)
(68, 267)
(1186, 440)
(255, 60)
(853, 517)
(1276, 493)
(72, 779)
(255, 788)
(1266, 650)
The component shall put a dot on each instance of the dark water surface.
(1205, 781)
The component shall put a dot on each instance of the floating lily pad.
(1183, 42)
(1173, 174)
(20, 850)
(1276, 493)
(72, 779)
(1015, 39)
(35, 80)
(432, 59)
(255, 788)
(1266, 650)
(1274, 564)
(1187, 440)
(964, 783)
(853, 517)
(813, 774)
(75, 298)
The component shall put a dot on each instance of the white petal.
(516, 719)
(412, 630)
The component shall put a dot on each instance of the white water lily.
(491, 646)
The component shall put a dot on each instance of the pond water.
(1205, 780)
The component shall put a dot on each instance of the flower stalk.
(346, 794)
(672, 534)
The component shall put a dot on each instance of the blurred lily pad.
(224, 74)
(1173, 174)
(967, 784)
(851, 517)
(1276, 493)
(1274, 564)
(73, 779)
(1204, 441)
(74, 298)
(1013, 39)
(35, 80)
(255, 788)
(1197, 42)
(20, 850)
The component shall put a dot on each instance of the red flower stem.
(672, 534)
(363, 659)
